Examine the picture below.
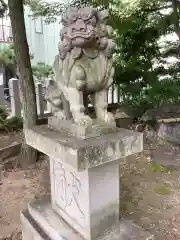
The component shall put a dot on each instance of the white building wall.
(42, 38)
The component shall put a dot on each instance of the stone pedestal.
(87, 200)
(85, 187)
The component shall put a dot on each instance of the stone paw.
(109, 118)
(84, 121)
(60, 115)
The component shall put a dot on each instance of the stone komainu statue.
(83, 66)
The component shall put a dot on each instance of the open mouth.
(83, 34)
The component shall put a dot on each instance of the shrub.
(9, 124)
(3, 114)
(14, 123)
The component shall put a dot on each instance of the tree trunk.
(16, 10)
(176, 18)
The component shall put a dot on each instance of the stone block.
(15, 97)
(40, 222)
(169, 132)
(83, 154)
(30, 229)
(70, 128)
(1, 95)
(50, 223)
(87, 200)
(39, 99)
(85, 176)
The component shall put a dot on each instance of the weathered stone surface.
(83, 154)
(163, 112)
(69, 128)
(15, 97)
(82, 175)
(1, 92)
(30, 229)
(41, 222)
(86, 200)
(84, 66)
(169, 132)
(52, 224)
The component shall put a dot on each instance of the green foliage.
(41, 71)
(14, 123)
(158, 168)
(7, 55)
(139, 61)
(51, 11)
(142, 63)
(9, 124)
(3, 114)
(3, 117)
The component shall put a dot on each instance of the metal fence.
(13, 101)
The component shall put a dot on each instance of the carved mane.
(85, 32)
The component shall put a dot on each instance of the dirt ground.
(149, 195)
(17, 189)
